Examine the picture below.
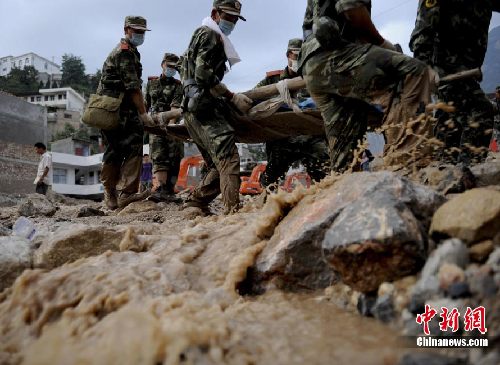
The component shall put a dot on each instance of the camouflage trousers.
(214, 137)
(345, 82)
(311, 151)
(467, 132)
(123, 154)
(167, 153)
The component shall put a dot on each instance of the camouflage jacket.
(163, 93)
(205, 60)
(332, 9)
(275, 77)
(121, 72)
(452, 34)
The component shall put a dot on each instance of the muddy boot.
(164, 194)
(125, 199)
(110, 175)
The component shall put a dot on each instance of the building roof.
(60, 89)
(33, 53)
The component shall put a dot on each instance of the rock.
(487, 174)
(452, 252)
(481, 281)
(37, 205)
(4, 231)
(450, 274)
(493, 358)
(9, 200)
(386, 289)
(139, 207)
(90, 212)
(444, 178)
(383, 309)
(458, 290)
(494, 263)
(420, 358)
(366, 302)
(471, 217)
(15, 257)
(369, 227)
(481, 251)
(65, 246)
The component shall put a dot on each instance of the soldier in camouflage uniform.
(121, 75)
(162, 95)
(206, 106)
(452, 36)
(310, 150)
(347, 66)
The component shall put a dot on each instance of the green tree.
(73, 73)
(20, 81)
(47, 84)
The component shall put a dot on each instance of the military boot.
(164, 194)
(125, 199)
(109, 177)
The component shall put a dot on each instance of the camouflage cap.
(232, 7)
(294, 45)
(136, 22)
(171, 59)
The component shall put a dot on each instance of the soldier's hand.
(147, 120)
(242, 102)
(219, 90)
(388, 45)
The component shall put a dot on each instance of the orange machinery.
(189, 173)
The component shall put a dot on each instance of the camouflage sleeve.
(344, 5)
(128, 71)
(263, 82)
(178, 95)
(423, 37)
(205, 75)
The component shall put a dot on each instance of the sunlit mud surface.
(177, 301)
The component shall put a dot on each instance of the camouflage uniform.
(452, 36)
(207, 118)
(162, 94)
(121, 73)
(310, 150)
(363, 74)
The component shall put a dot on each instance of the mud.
(178, 302)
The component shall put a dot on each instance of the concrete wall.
(21, 124)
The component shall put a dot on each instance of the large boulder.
(472, 216)
(368, 227)
(37, 205)
(15, 257)
(487, 173)
(81, 241)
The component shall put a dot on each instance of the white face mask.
(293, 65)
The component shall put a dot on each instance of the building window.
(52, 97)
(5, 69)
(27, 61)
(64, 96)
(59, 176)
(59, 97)
(67, 116)
(20, 63)
(32, 99)
(38, 98)
(46, 98)
(46, 66)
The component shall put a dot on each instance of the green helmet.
(232, 7)
(294, 45)
(136, 22)
(171, 59)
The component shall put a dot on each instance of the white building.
(77, 176)
(41, 64)
(61, 98)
